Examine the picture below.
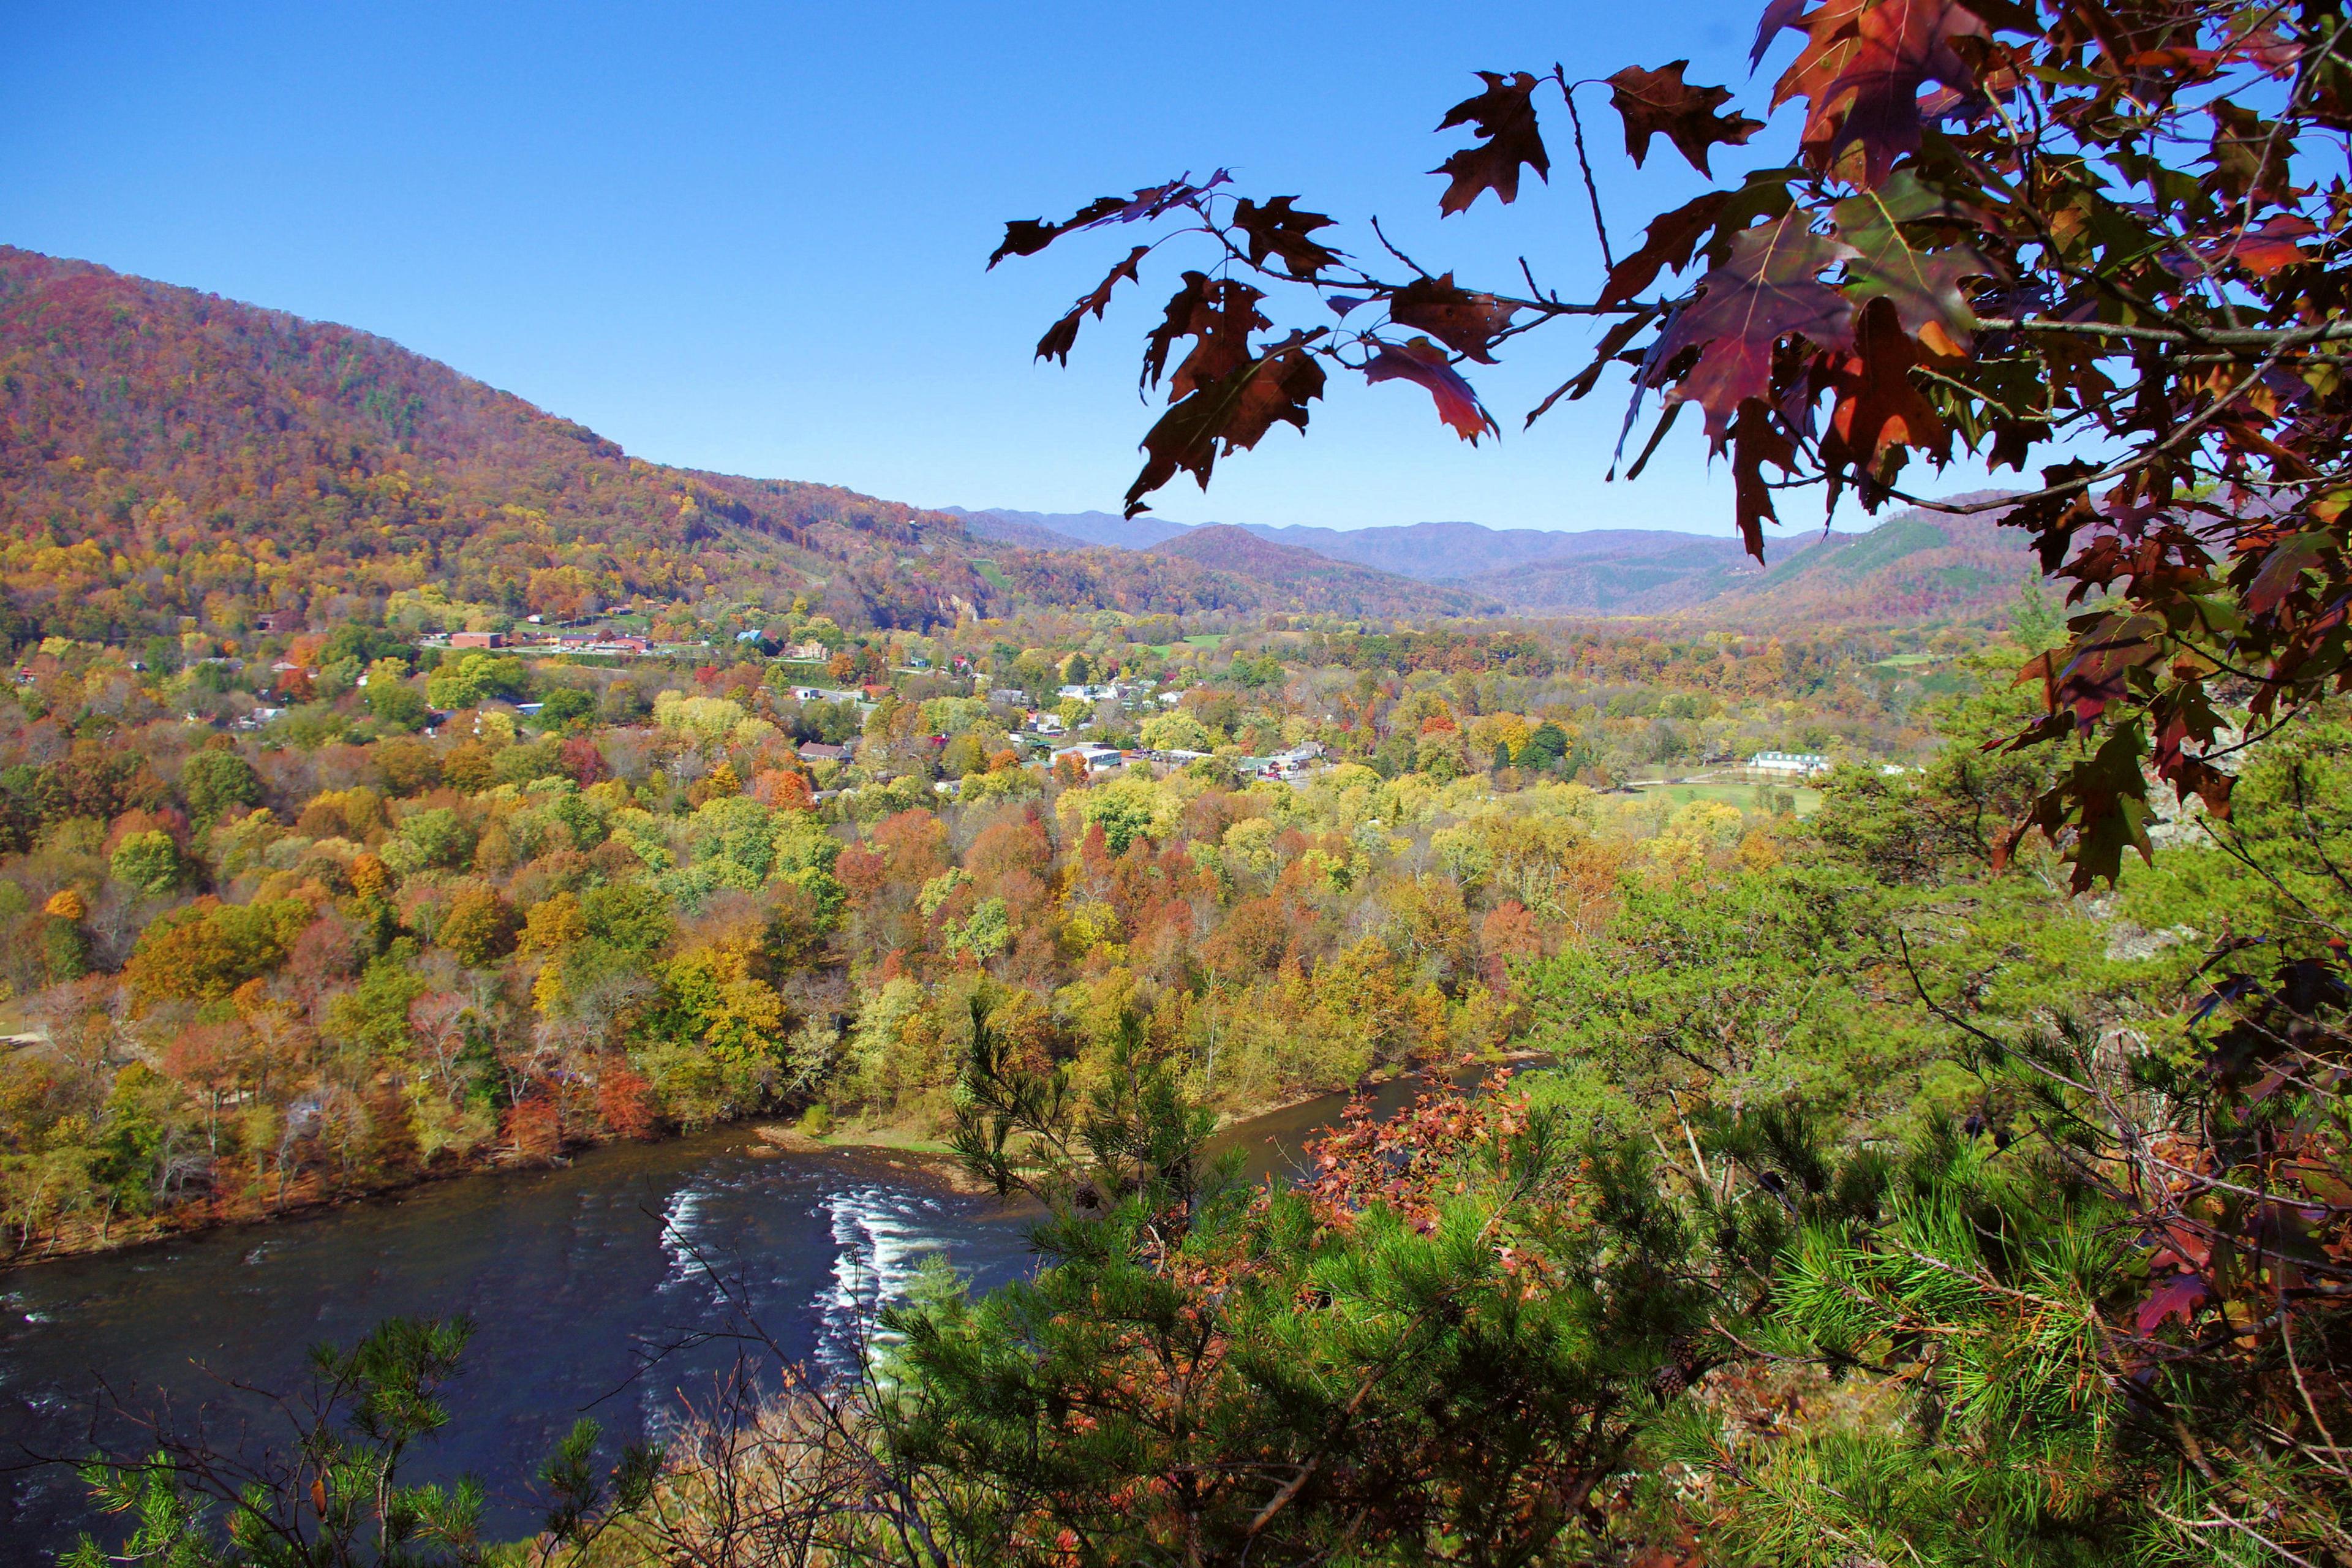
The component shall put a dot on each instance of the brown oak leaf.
(1220, 313)
(1063, 335)
(1756, 439)
(1465, 322)
(1229, 414)
(1612, 343)
(1668, 243)
(1656, 103)
(1505, 115)
(1028, 236)
(1277, 230)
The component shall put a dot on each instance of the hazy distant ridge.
(1910, 565)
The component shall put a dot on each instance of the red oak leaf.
(1505, 115)
(1777, 14)
(1422, 362)
(1275, 229)
(1756, 439)
(1668, 243)
(2281, 577)
(1862, 71)
(1063, 335)
(1229, 414)
(1220, 313)
(2179, 1297)
(1612, 343)
(2262, 251)
(1465, 322)
(1769, 286)
(1653, 102)
(1673, 239)
(1877, 405)
(1028, 236)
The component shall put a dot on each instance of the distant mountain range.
(198, 459)
(1246, 552)
(1912, 565)
(1068, 530)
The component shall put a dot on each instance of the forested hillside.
(168, 454)
(171, 461)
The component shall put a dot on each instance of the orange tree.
(2102, 237)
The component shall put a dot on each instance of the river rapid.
(614, 1286)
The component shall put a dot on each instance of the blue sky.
(750, 238)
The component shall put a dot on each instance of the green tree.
(1208, 1373)
(434, 838)
(566, 707)
(473, 678)
(213, 782)
(1546, 747)
(149, 861)
(1177, 731)
(372, 1017)
(398, 705)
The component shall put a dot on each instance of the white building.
(1094, 759)
(1791, 765)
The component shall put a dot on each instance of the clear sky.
(750, 238)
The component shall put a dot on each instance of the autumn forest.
(1842, 1058)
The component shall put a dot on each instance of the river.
(583, 1281)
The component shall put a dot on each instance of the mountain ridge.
(170, 459)
(1958, 565)
(1372, 591)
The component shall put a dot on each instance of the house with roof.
(1093, 758)
(1788, 764)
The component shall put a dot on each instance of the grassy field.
(1202, 639)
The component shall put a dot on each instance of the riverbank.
(913, 1148)
(308, 1195)
(906, 1149)
(897, 1149)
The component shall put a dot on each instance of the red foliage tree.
(534, 1127)
(584, 761)
(1961, 261)
(626, 1103)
